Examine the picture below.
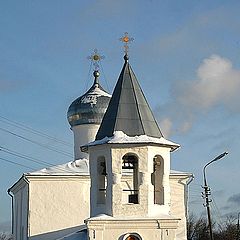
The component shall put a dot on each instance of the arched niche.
(157, 179)
(102, 180)
(130, 167)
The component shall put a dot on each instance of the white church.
(119, 186)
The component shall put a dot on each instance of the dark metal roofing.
(128, 110)
(90, 107)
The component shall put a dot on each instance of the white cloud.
(217, 83)
(166, 126)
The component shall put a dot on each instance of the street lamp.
(207, 192)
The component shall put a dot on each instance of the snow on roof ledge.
(179, 173)
(76, 167)
(121, 137)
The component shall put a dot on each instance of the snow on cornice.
(178, 173)
(76, 167)
(121, 137)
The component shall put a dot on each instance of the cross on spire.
(126, 40)
(95, 58)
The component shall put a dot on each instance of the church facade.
(119, 185)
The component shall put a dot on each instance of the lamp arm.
(214, 160)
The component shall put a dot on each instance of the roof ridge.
(146, 104)
(129, 66)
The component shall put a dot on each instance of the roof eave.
(86, 147)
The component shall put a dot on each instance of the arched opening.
(157, 179)
(131, 236)
(130, 165)
(102, 180)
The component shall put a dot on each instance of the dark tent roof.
(128, 110)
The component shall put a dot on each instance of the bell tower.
(131, 176)
(129, 169)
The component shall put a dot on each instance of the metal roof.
(90, 107)
(128, 110)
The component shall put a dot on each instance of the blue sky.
(186, 55)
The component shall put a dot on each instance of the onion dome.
(90, 107)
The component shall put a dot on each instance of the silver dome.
(90, 107)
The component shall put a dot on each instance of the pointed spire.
(128, 110)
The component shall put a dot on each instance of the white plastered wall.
(83, 134)
(113, 155)
(71, 195)
(57, 205)
(164, 152)
(178, 185)
(154, 229)
(20, 191)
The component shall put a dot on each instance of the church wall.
(83, 134)
(118, 207)
(20, 191)
(178, 185)
(145, 155)
(57, 205)
(144, 229)
(94, 157)
(178, 194)
(164, 152)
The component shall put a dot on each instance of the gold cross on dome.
(126, 40)
(95, 58)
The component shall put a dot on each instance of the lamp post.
(207, 192)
